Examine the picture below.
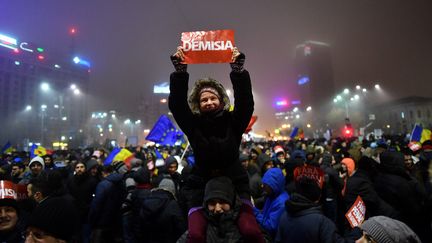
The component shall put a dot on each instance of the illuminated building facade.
(42, 95)
(313, 65)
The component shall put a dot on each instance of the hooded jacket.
(403, 193)
(214, 137)
(274, 204)
(303, 221)
(160, 218)
(105, 207)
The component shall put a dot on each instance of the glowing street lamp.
(45, 87)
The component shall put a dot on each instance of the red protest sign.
(213, 46)
(356, 214)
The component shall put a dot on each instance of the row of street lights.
(46, 89)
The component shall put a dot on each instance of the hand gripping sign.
(213, 46)
(356, 214)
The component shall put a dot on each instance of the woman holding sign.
(214, 132)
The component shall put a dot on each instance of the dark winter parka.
(215, 138)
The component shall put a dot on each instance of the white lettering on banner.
(7, 193)
(207, 45)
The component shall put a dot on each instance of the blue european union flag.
(164, 132)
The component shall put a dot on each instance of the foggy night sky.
(129, 42)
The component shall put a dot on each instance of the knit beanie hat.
(170, 160)
(167, 185)
(278, 149)
(142, 176)
(39, 160)
(219, 188)
(56, 216)
(387, 230)
(120, 167)
(90, 164)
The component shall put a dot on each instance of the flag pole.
(184, 152)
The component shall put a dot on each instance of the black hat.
(9, 202)
(56, 216)
(308, 188)
(90, 164)
(220, 188)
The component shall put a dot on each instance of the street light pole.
(60, 118)
(43, 108)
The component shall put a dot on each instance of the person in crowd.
(214, 132)
(36, 166)
(132, 205)
(17, 172)
(160, 218)
(255, 182)
(254, 152)
(92, 167)
(48, 161)
(216, 220)
(82, 187)
(38, 189)
(424, 165)
(275, 198)
(264, 163)
(280, 157)
(332, 187)
(303, 220)
(172, 165)
(403, 193)
(104, 214)
(382, 229)
(360, 184)
(56, 220)
(11, 223)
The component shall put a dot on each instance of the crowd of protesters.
(222, 189)
(74, 197)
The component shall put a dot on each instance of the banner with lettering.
(310, 172)
(10, 190)
(356, 214)
(214, 46)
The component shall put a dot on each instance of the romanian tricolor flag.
(420, 134)
(37, 150)
(119, 154)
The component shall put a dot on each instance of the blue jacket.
(274, 205)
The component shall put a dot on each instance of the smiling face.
(8, 218)
(209, 102)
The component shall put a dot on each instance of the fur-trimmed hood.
(195, 94)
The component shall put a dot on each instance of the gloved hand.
(238, 60)
(176, 60)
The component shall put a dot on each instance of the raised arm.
(177, 101)
(243, 98)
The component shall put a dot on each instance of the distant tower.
(313, 65)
